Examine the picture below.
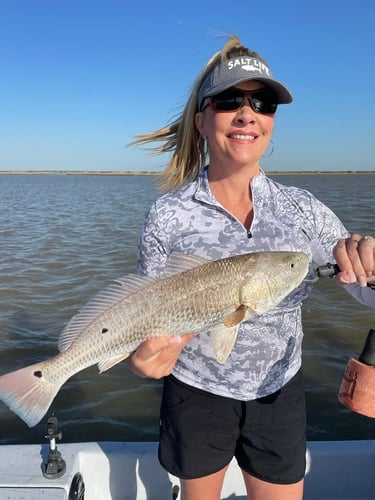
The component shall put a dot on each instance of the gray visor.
(241, 69)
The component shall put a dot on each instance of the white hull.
(118, 471)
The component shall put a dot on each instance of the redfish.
(193, 296)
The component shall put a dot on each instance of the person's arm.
(364, 295)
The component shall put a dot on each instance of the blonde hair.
(181, 136)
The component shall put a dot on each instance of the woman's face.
(236, 138)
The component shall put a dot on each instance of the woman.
(252, 407)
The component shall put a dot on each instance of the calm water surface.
(65, 237)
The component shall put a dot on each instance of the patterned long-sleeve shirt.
(364, 295)
(267, 353)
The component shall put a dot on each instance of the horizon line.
(153, 172)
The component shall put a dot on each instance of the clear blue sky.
(79, 78)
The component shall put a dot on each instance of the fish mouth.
(311, 275)
(315, 272)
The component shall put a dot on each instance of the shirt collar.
(203, 191)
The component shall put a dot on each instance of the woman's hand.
(355, 257)
(156, 358)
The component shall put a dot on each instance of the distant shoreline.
(143, 172)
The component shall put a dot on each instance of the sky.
(80, 78)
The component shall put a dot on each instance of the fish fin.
(179, 262)
(237, 317)
(27, 393)
(223, 340)
(133, 282)
(105, 299)
(108, 363)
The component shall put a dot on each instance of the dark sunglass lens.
(228, 101)
(264, 102)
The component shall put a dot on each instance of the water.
(64, 237)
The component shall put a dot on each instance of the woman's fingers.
(156, 357)
(355, 257)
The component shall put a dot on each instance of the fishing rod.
(330, 270)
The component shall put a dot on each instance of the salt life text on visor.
(261, 101)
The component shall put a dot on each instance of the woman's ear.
(199, 123)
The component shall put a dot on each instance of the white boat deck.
(339, 470)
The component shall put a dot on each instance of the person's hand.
(355, 257)
(156, 358)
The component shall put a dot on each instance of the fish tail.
(28, 393)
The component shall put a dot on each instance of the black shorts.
(201, 432)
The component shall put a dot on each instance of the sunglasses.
(261, 101)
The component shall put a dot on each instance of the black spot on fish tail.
(38, 374)
(104, 330)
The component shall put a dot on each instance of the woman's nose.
(245, 113)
